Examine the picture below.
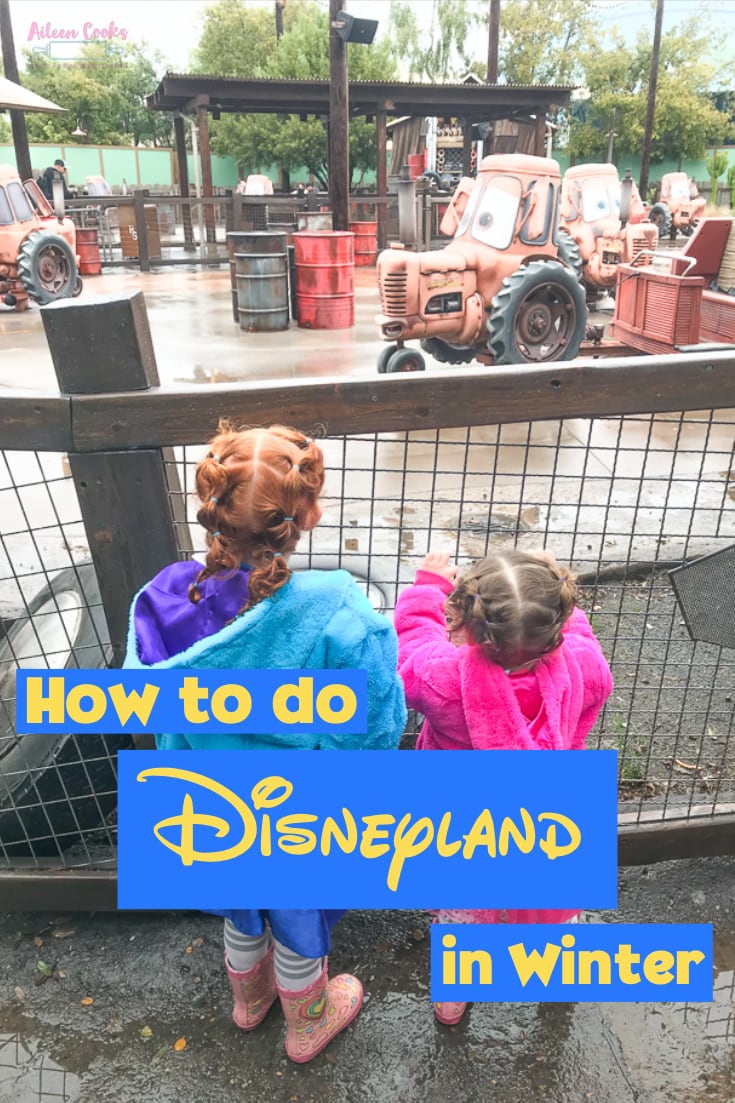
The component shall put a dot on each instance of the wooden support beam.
(206, 156)
(467, 148)
(339, 139)
(381, 140)
(183, 171)
(540, 137)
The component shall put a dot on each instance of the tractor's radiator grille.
(393, 293)
(640, 259)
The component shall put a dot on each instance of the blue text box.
(186, 702)
(379, 829)
(588, 962)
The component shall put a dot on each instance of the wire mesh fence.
(622, 499)
(56, 793)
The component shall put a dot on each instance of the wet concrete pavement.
(195, 336)
(142, 980)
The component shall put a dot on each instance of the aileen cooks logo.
(89, 32)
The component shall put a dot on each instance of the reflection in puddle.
(28, 1076)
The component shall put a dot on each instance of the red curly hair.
(259, 490)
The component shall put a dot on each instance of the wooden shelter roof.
(180, 92)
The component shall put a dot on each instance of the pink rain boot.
(254, 992)
(317, 1013)
(449, 1013)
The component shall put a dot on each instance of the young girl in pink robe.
(500, 660)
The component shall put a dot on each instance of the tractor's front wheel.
(539, 315)
(660, 216)
(47, 268)
(406, 360)
(384, 356)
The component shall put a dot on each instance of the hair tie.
(213, 499)
(212, 456)
(217, 533)
(307, 442)
(295, 467)
(287, 518)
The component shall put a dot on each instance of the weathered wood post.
(141, 230)
(129, 503)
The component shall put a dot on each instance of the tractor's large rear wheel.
(47, 268)
(539, 315)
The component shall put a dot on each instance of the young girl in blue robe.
(247, 609)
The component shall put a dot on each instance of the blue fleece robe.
(320, 620)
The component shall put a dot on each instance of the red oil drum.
(88, 250)
(325, 279)
(366, 243)
(415, 165)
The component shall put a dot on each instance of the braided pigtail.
(212, 487)
(269, 575)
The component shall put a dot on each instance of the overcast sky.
(174, 26)
(171, 26)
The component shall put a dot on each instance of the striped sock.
(245, 951)
(294, 972)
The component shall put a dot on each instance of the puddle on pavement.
(551, 1052)
(27, 1075)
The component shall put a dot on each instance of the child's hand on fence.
(545, 556)
(438, 563)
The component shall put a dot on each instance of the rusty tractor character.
(603, 224)
(38, 258)
(680, 206)
(499, 292)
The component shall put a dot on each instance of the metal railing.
(625, 470)
(154, 230)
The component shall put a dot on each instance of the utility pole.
(339, 137)
(611, 136)
(280, 5)
(492, 43)
(17, 118)
(651, 105)
(493, 39)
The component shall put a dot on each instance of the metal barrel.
(325, 279)
(262, 291)
(366, 243)
(250, 241)
(88, 251)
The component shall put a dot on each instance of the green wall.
(695, 169)
(141, 168)
(138, 168)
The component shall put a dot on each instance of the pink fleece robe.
(470, 703)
